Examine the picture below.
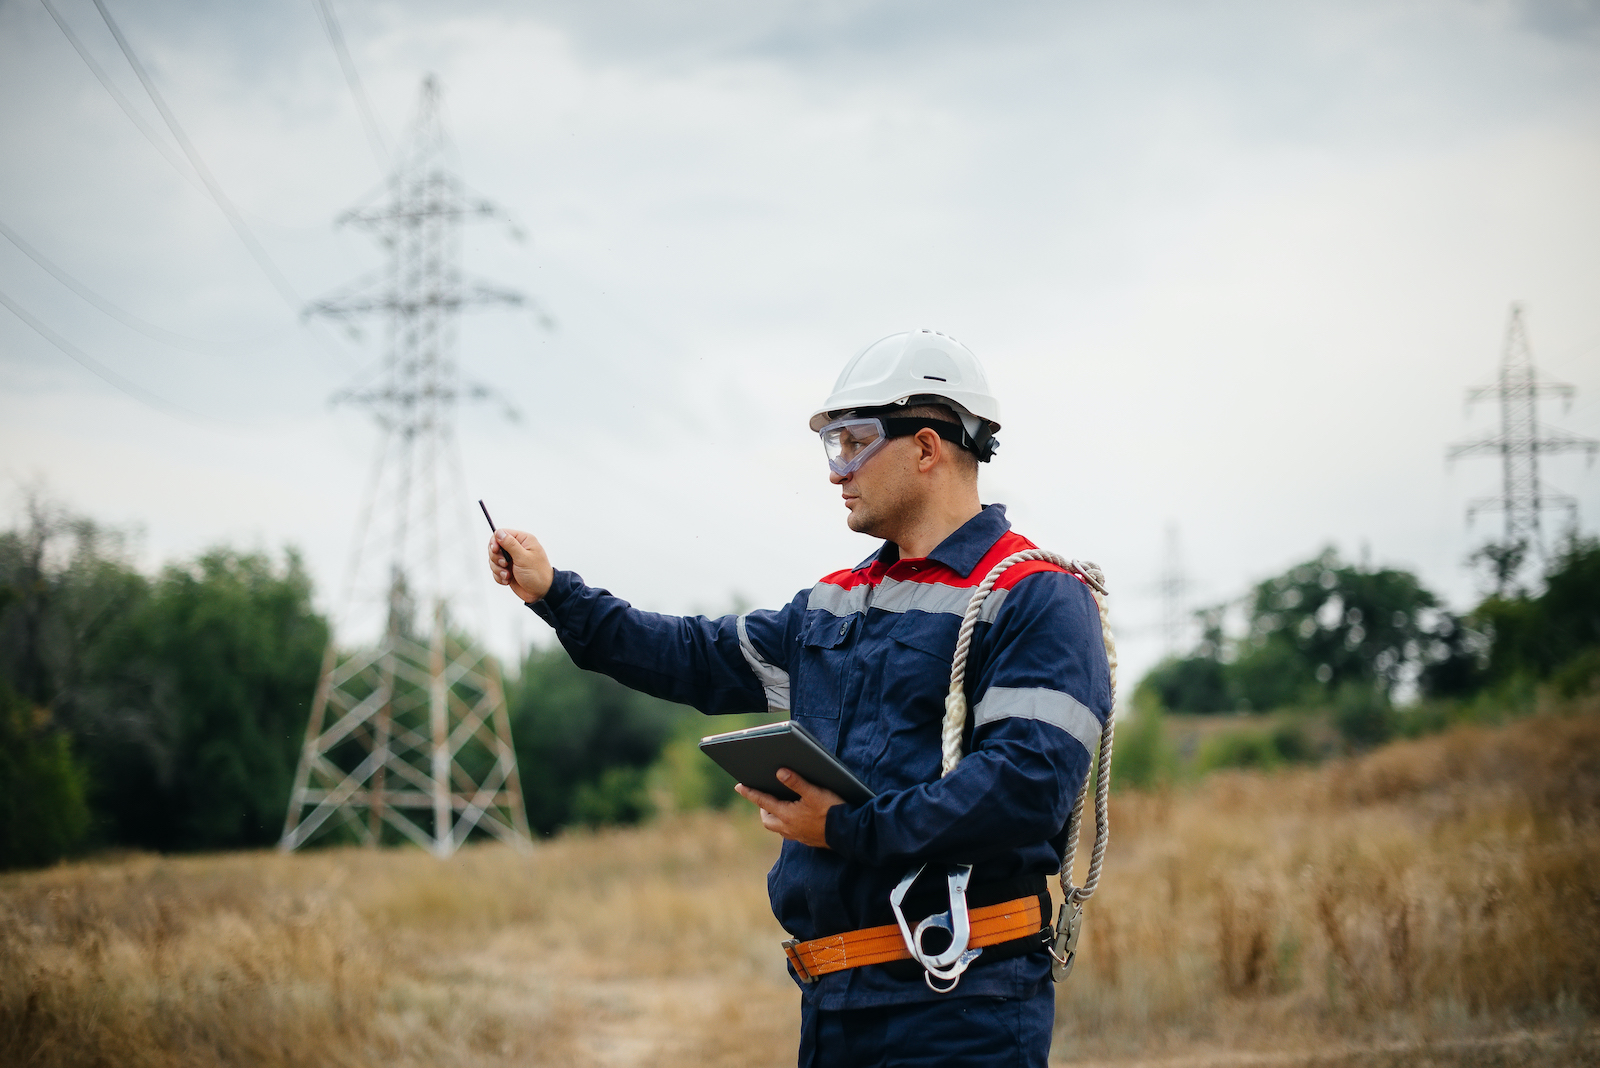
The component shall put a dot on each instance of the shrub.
(1264, 750)
(1238, 749)
(43, 815)
(1580, 675)
(621, 795)
(1363, 714)
(1143, 758)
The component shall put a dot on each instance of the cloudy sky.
(1231, 266)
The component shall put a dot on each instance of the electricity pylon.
(418, 723)
(1173, 585)
(1521, 441)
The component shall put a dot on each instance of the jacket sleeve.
(1043, 692)
(731, 664)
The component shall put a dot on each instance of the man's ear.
(930, 448)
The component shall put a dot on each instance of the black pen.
(503, 554)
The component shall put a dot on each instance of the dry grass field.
(1436, 902)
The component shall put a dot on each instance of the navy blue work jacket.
(862, 660)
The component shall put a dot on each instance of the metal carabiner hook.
(1064, 947)
(953, 960)
(954, 919)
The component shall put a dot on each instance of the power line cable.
(132, 389)
(126, 318)
(210, 185)
(172, 156)
(123, 102)
(257, 252)
(369, 121)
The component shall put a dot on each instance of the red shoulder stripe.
(847, 579)
(1012, 542)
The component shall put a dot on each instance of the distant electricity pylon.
(415, 726)
(1520, 442)
(1173, 586)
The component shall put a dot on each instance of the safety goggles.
(852, 441)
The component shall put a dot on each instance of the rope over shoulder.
(955, 713)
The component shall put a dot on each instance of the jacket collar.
(964, 549)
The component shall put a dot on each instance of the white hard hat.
(916, 364)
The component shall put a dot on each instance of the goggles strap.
(951, 432)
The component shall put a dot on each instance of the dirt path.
(578, 1011)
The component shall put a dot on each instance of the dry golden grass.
(637, 947)
(1438, 890)
(1435, 902)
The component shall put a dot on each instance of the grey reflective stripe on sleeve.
(837, 600)
(1047, 706)
(774, 680)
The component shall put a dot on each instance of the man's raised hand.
(530, 575)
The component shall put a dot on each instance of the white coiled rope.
(955, 715)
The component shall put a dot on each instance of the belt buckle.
(790, 950)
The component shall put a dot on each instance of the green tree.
(1194, 684)
(65, 586)
(1501, 561)
(1571, 600)
(43, 814)
(1321, 629)
(1537, 637)
(236, 646)
(186, 696)
(584, 742)
(1273, 670)
(67, 594)
(1339, 624)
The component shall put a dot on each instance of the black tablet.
(753, 756)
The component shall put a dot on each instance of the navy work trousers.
(971, 1032)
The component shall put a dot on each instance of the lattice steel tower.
(415, 726)
(1521, 441)
(1173, 585)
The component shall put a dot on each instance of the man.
(862, 660)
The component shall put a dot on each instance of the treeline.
(167, 711)
(594, 752)
(158, 712)
(1375, 653)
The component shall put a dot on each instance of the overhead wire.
(369, 120)
(257, 252)
(196, 173)
(126, 318)
(123, 102)
(100, 370)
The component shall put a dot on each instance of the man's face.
(881, 494)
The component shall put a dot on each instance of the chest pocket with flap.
(917, 673)
(817, 683)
